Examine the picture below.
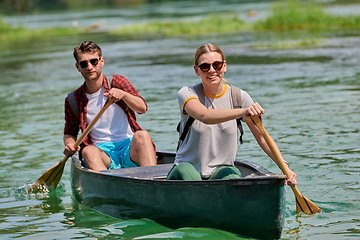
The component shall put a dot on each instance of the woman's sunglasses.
(205, 67)
(94, 62)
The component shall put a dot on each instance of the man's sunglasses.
(94, 62)
(205, 67)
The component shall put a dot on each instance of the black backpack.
(236, 99)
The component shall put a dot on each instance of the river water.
(311, 97)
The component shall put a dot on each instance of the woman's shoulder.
(240, 90)
(187, 89)
(186, 93)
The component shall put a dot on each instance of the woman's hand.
(291, 180)
(255, 110)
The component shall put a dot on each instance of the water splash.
(34, 190)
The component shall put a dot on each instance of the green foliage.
(292, 44)
(286, 15)
(7, 29)
(295, 14)
(209, 24)
(8, 33)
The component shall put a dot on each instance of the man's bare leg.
(95, 158)
(142, 149)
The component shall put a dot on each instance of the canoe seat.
(160, 171)
(151, 172)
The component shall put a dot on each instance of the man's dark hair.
(87, 46)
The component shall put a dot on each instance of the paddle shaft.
(90, 126)
(279, 161)
(93, 122)
(52, 176)
(302, 203)
(275, 151)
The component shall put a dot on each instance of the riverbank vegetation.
(285, 15)
(209, 24)
(295, 14)
(8, 33)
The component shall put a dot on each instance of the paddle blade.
(50, 179)
(305, 205)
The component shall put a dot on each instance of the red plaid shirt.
(73, 123)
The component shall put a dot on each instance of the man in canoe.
(209, 148)
(116, 140)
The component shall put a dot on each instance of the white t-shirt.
(113, 125)
(207, 146)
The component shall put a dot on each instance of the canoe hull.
(253, 207)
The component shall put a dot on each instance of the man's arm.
(69, 142)
(136, 103)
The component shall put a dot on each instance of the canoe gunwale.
(264, 177)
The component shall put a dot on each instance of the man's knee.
(91, 152)
(95, 158)
(141, 134)
(142, 137)
(90, 149)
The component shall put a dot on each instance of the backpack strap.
(186, 128)
(72, 101)
(73, 105)
(200, 92)
(236, 99)
(109, 80)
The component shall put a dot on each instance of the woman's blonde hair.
(209, 47)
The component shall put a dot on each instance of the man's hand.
(70, 150)
(116, 94)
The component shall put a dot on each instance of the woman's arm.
(263, 144)
(213, 116)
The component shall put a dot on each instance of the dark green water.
(311, 96)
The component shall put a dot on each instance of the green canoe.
(252, 206)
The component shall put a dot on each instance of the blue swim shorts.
(119, 153)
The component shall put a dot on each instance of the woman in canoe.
(209, 148)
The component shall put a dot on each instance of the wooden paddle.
(50, 179)
(303, 204)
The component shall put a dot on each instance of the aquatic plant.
(298, 43)
(286, 15)
(9, 33)
(295, 14)
(208, 24)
